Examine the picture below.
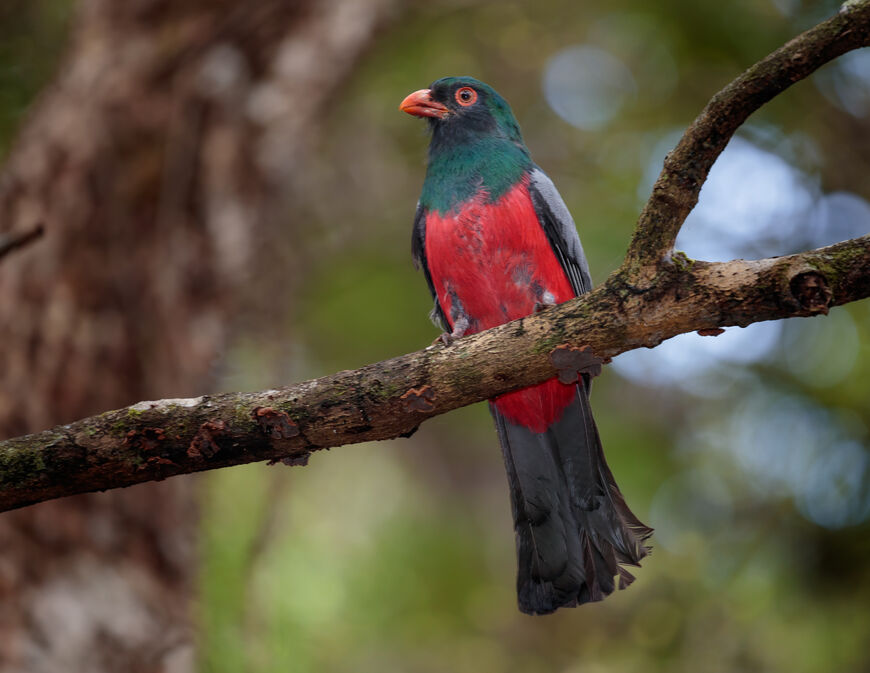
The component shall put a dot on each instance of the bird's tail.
(573, 528)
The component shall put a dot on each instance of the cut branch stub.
(812, 291)
(570, 362)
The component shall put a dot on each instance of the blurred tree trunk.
(154, 162)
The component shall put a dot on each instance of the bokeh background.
(748, 453)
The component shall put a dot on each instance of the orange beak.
(420, 104)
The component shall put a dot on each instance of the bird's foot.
(459, 329)
(545, 300)
(543, 305)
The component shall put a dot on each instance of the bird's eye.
(466, 96)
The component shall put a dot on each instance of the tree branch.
(685, 169)
(652, 297)
(154, 440)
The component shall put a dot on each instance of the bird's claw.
(459, 329)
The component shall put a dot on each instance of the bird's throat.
(458, 171)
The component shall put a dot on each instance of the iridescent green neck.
(458, 171)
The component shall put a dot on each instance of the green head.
(476, 142)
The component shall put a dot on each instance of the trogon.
(496, 243)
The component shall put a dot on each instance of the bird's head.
(463, 109)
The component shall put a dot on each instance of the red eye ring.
(466, 96)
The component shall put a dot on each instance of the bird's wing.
(418, 252)
(559, 226)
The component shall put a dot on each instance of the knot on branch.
(811, 291)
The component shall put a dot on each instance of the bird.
(496, 242)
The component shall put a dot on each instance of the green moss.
(682, 261)
(297, 414)
(832, 264)
(119, 428)
(385, 392)
(182, 427)
(242, 412)
(21, 462)
(549, 342)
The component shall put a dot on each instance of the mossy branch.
(154, 440)
(651, 297)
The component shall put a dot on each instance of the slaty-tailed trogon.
(496, 242)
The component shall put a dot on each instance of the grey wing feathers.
(561, 232)
(418, 252)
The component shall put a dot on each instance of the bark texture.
(153, 164)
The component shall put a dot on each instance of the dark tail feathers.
(573, 527)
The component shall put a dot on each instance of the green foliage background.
(398, 556)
